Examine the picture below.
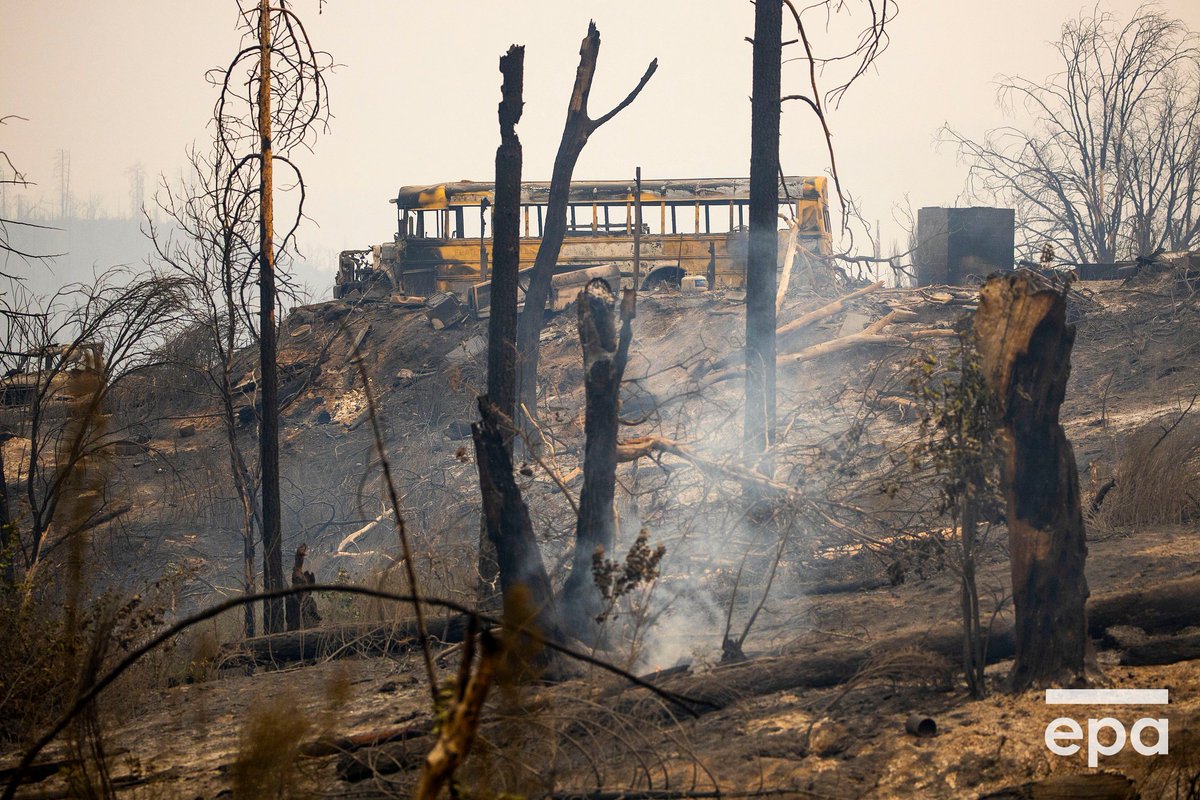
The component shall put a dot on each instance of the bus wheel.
(663, 278)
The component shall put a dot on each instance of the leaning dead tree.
(605, 354)
(1025, 344)
(272, 99)
(578, 128)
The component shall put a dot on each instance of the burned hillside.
(793, 604)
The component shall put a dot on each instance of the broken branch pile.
(903, 308)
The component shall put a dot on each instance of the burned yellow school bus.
(693, 226)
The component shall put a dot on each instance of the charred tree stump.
(301, 609)
(1025, 346)
(763, 254)
(528, 599)
(579, 126)
(506, 263)
(604, 357)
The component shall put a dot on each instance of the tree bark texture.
(1025, 346)
(579, 126)
(273, 621)
(763, 253)
(523, 579)
(604, 357)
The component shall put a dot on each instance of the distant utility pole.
(137, 189)
(637, 229)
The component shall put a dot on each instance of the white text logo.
(1062, 733)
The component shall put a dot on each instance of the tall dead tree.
(604, 357)
(506, 263)
(1025, 349)
(268, 430)
(524, 583)
(763, 251)
(506, 239)
(279, 76)
(579, 126)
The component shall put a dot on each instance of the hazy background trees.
(1108, 165)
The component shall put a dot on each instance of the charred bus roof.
(706, 190)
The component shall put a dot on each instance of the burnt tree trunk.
(579, 126)
(604, 357)
(301, 609)
(528, 599)
(506, 246)
(1025, 345)
(763, 252)
(273, 621)
(506, 263)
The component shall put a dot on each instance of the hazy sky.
(116, 82)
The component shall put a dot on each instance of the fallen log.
(714, 690)
(348, 743)
(788, 264)
(1169, 607)
(643, 446)
(353, 537)
(840, 344)
(825, 311)
(806, 320)
(1084, 786)
(809, 353)
(367, 638)
(387, 759)
(1164, 608)
(868, 336)
(41, 770)
(1162, 650)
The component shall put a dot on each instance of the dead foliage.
(268, 758)
(1157, 480)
